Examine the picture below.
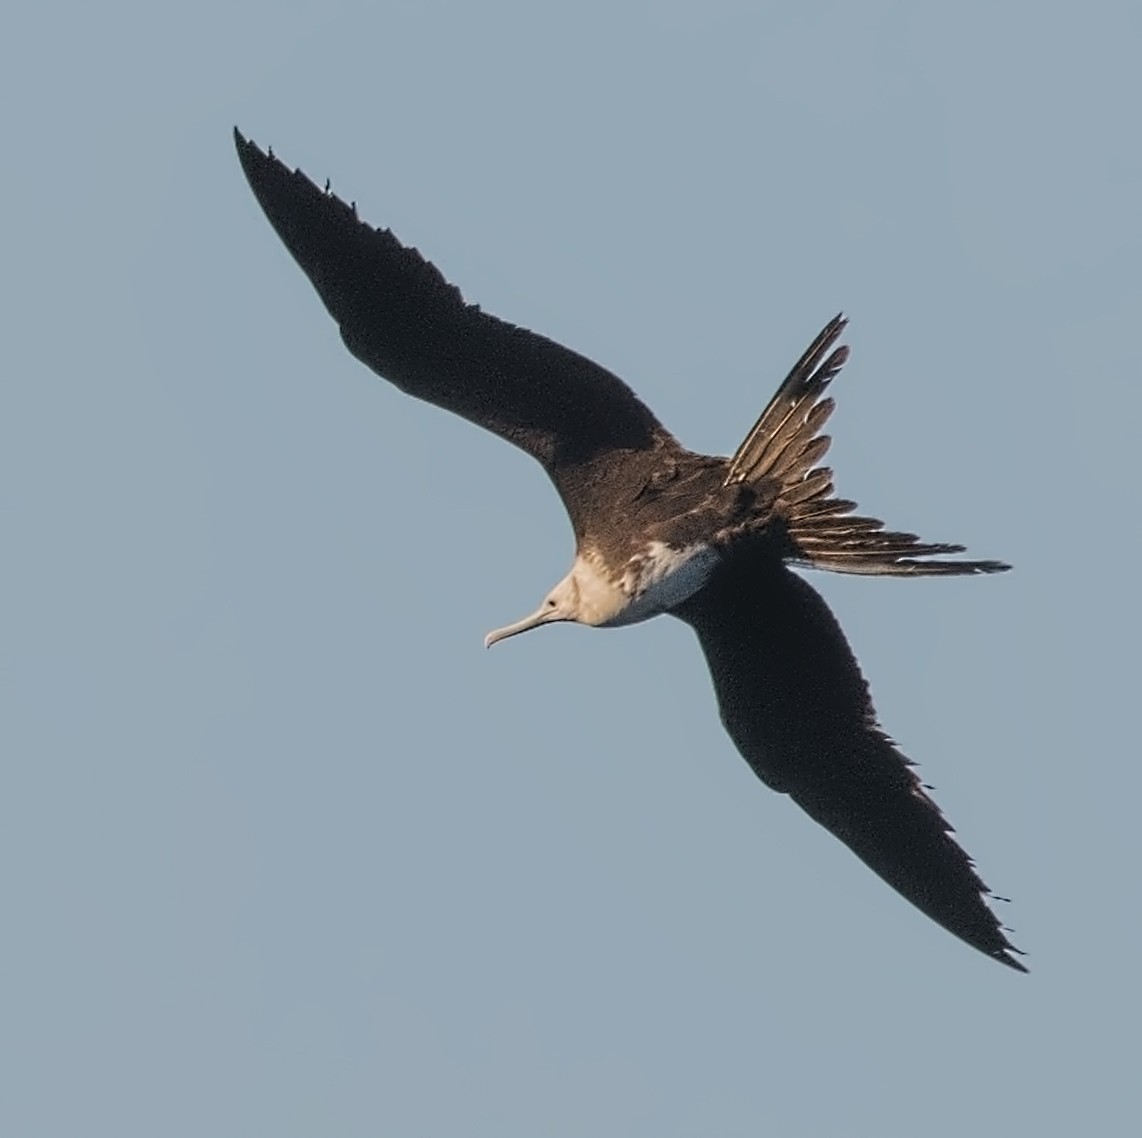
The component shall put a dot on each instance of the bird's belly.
(662, 578)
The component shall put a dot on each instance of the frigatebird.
(662, 529)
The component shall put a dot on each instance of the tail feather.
(783, 450)
(815, 484)
(825, 508)
(788, 442)
(805, 382)
(796, 465)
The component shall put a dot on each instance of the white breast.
(662, 578)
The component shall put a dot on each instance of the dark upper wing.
(794, 702)
(400, 316)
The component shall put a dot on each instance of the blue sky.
(284, 850)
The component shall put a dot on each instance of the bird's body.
(662, 529)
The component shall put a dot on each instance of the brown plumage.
(661, 529)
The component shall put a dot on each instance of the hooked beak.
(543, 615)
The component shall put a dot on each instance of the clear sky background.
(283, 850)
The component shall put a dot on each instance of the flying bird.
(662, 529)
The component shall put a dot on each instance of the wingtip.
(242, 144)
(1005, 952)
(1004, 956)
(248, 152)
(265, 173)
(251, 155)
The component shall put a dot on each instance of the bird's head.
(583, 596)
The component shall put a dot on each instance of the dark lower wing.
(400, 316)
(794, 702)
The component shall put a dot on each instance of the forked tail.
(785, 447)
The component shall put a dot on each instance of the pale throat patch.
(655, 581)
